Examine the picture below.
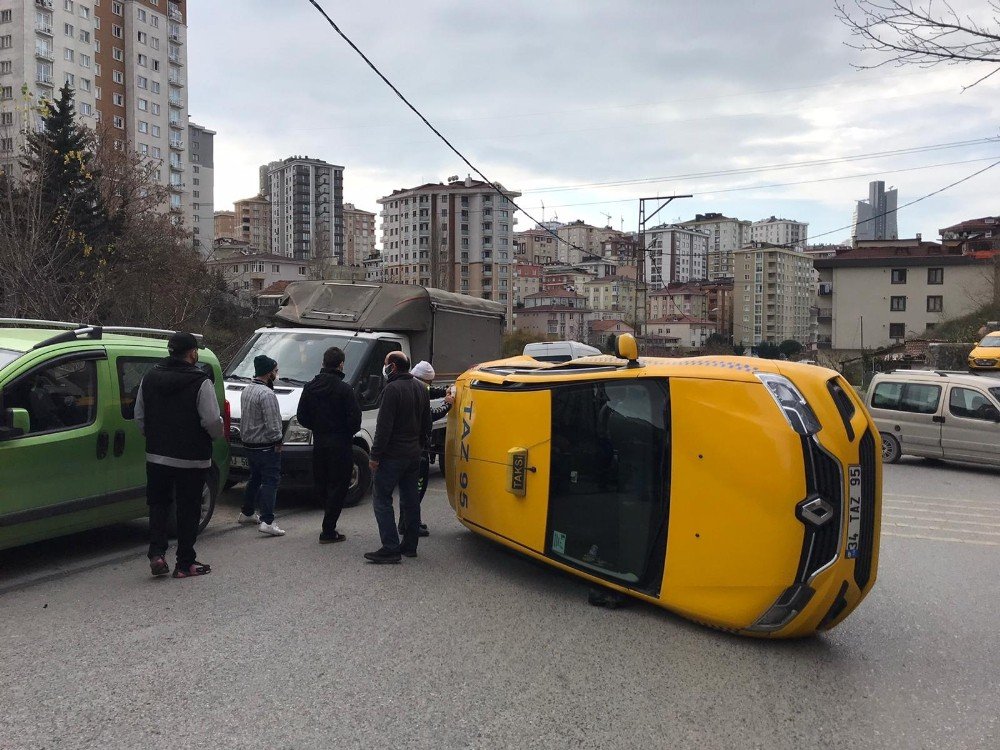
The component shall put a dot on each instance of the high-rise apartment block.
(875, 218)
(307, 203)
(774, 231)
(225, 225)
(773, 295)
(675, 254)
(456, 236)
(581, 241)
(202, 164)
(126, 62)
(726, 236)
(253, 223)
(359, 235)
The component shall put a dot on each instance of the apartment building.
(527, 280)
(680, 331)
(601, 333)
(581, 241)
(126, 62)
(359, 235)
(307, 203)
(251, 274)
(554, 321)
(613, 298)
(786, 232)
(536, 246)
(678, 299)
(884, 292)
(253, 222)
(875, 218)
(201, 142)
(773, 296)
(726, 236)
(225, 225)
(456, 236)
(974, 236)
(675, 254)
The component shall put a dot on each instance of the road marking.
(945, 513)
(943, 504)
(942, 539)
(940, 528)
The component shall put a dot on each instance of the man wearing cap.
(424, 372)
(177, 411)
(260, 430)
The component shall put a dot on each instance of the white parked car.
(559, 351)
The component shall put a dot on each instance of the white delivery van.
(932, 414)
(559, 351)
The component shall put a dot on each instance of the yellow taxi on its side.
(738, 492)
(986, 356)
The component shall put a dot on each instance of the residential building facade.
(884, 292)
(249, 275)
(253, 222)
(675, 254)
(600, 332)
(126, 61)
(307, 203)
(681, 331)
(225, 225)
(456, 236)
(201, 152)
(875, 218)
(726, 236)
(612, 298)
(773, 296)
(359, 235)
(527, 281)
(975, 236)
(536, 246)
(678, 299)
(581, 241)
(559, 322)
(786, 232)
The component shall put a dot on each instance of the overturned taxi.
(741, 493)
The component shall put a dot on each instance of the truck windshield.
(299, 355)
(7, 356)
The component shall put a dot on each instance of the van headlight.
(792, 403)
(296, 434)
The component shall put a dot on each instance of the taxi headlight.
(296, 434)
(792, 403)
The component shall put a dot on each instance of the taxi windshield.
(299, 355)
(992, 340)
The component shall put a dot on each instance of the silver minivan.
(936, 414)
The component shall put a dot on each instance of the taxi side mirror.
(16, 422)
(627, 348)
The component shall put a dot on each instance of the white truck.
(366, 320)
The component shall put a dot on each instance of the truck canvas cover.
(452, 331)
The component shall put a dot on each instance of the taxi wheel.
(890, 449)
(361, 477)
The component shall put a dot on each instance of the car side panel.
(967, 439)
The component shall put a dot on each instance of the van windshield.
(7, 356)
(299, 355)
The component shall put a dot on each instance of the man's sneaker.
(331, 538)
(158, 566)
(407, 552)
(423, 530)
(383, 556)
(271, 529)
(254, 518)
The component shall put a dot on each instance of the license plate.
(238, 462)
(853, 511)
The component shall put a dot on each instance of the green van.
(71, 454)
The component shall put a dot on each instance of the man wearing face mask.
(260, 429)
(401, 435)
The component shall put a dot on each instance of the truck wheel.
(361, 477)
(890, 449)
(209, 494)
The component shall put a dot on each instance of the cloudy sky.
(550, 97)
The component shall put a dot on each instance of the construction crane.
(608, 217)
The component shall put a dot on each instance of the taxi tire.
(358, 490)
(891, 452)
(208, 505)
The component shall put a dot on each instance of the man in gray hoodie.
(260, 430)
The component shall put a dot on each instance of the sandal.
(194, 569)
(158, 566)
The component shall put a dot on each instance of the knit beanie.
(422, 371)
(262, 365)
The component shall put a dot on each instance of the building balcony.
(175, 38)
(43, 28)
(176, 187)
(176, 124)
(44, 54)
(175, 81)
(175, 59)
(176, 166)
(176, 145)
(44, 4)
(173, 14)
(44, 80)
(175, 102)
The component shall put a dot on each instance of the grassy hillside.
(965, 329)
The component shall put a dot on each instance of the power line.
(427, 122)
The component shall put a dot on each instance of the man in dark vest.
(178, 412)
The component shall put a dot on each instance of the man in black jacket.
(178, 412)
(330, 409)
(401, 435)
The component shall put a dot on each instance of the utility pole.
(640, 248)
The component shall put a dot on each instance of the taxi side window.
(59, 397)
(965, 402)
(911, 397)
(131, 371)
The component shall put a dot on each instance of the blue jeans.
(262, 487)
(405, 473)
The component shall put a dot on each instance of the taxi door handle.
(102, 444)
(119, 442)
(939, 420)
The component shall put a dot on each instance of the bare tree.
(928, 33)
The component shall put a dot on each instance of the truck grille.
(821, 542)
(866, 542)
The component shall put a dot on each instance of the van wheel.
(890, 449)
(209, 494)
(361, 477)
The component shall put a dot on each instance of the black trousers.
(166, 485)
(332, 469)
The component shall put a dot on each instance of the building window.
(142, 37)
(118, 99)
(897, 330)
(85, 36)
(6, 16)
(154, 86)
(86, 109)
(143, 126)
(117, 9)
(142, 60)
(68, 29)
(156, 108)
(935, 275)
(141, 15)
(84, 60)
(118, 53)
(118, 77)
(143, 105)
(142, 82)
(898, 275)
(156, 131)
(935, 303)
(68, 55)
(120, 122)
(116, 31)
(897, 304)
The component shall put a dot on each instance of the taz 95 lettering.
(853, 511)
(463, 477)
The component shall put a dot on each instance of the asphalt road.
(289, 644)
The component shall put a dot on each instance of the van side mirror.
(16, 422)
